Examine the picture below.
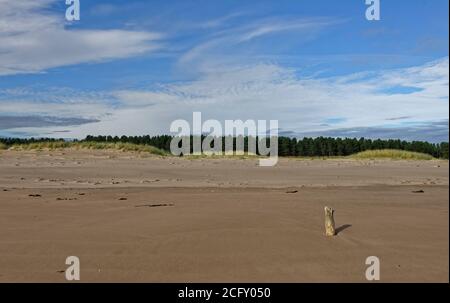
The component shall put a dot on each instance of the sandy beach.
(134, 218)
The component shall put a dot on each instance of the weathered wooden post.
(329, 222)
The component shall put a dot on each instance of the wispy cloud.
(222, 40)
(220, 21)
(33, 39)
(64, 103)
(435, 132)
(275, 26)
(9, 122)
(266, 91)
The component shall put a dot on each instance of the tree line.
(305, 147)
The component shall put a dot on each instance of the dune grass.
(148, 149)
(121, 146)
(50, 145)
(393, 154)
(56, 145)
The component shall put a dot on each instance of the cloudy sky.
(131, 67)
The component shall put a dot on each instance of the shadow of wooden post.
(342, 228)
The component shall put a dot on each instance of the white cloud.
(220, 21)
(32, 39)
(267, 91)
(221, 41)
(272, 27)
(56, 102)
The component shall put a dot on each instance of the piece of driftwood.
(329, 222)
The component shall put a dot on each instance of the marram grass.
(394, 154)
(54, 145)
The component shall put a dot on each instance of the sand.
(131, 218)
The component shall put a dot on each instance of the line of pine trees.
(309, 147)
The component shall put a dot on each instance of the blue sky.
(132, 67)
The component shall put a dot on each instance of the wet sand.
(150, 219)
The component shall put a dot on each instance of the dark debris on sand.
(153, 205)
(418, 191)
